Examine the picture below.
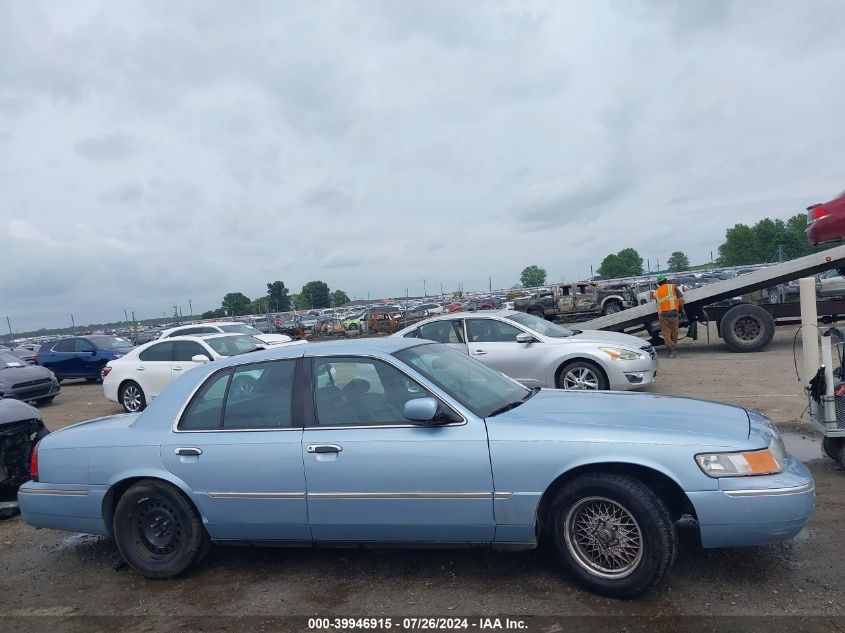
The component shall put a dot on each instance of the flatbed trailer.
(744, 326)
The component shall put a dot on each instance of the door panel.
(494, 343)
(246, 472)
(393, 481)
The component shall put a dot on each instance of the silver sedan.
(539, 353)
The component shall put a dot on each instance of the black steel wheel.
(833, 447)
(157, 530)
(747, 328)
(612, 534)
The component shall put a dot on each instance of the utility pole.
(490, 284)
(190, 307)
(425, 294)
(591, 273)
(125, 316)
(9, 323)
(442, 294)
(72, 324)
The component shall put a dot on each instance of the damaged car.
(21, 381)
(21, 428)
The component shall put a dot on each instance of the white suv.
(225, 327)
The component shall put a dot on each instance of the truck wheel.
(612, 307)
(537, 313)
(747, 328)
(832, 447)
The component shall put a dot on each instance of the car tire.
(747, 328)
(593, 514)
(581, 375)
(46, 400)
(537, 313)
(157, 530)
(132, 397)
(93, 379)
(611, 307)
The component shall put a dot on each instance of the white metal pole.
(828, 404)
(809, 328)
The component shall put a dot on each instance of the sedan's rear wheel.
(612, 534)
(157, 530)
(582, 375)
(132, 397)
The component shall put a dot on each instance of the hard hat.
(661, 278)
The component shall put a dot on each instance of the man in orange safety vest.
(670, 304)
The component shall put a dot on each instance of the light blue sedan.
(387, 441)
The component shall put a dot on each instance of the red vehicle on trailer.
(826, 221)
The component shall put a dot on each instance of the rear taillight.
(105, 371)
(33, 462)
(816, 212)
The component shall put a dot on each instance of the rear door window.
(158, 352)
(65, 345)
(184, 351)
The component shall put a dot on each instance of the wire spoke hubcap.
(603, 537)
(580, 378)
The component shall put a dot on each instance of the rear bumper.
(756, 510)
(69, 507)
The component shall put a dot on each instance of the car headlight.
(620, 353)
(767, 461)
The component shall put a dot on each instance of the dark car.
(21, 428)
(82, 356)
(826, 221)
(23, 353)
(21, 381)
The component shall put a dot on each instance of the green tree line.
(314, 294)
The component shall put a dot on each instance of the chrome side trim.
(770, 492)
(503, 495)
(400, 495)
(256, 495)
(53, 491)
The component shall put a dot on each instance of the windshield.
(239, 329)
(111, 342)
(541, 326)
(9, 360)
(479, 388)
(234, 345)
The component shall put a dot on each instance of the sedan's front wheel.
(582, 376)
(612, 534)
(157, 530)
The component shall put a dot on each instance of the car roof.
(382, 344)
(480, 314)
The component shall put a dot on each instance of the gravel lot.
(63, 575)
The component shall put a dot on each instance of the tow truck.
(743, 325)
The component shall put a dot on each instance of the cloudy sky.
(154, 152)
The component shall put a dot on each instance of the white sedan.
(225, 327)
(139, 376)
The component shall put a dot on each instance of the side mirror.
(199, 359)
(421, 409)
(524, 337)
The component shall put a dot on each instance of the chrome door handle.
(139, 369)
(189, 452)
(479, 352)
(177, 369)
(324, 448)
